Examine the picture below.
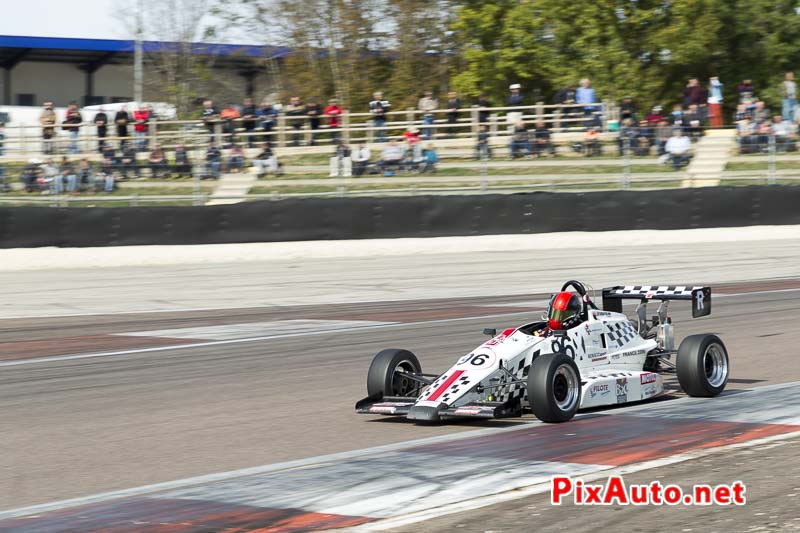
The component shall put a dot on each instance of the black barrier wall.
(416, 216)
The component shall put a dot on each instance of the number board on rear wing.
(699, 296)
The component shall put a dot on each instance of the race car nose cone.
(424, 413)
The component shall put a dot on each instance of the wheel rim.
(565, 387)
(715, 365)
(402, 385)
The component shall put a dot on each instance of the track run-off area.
(213, 387)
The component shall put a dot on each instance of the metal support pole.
(137, 55)
(626, 164)
(7, 86)
(485, 167)
(771, 161)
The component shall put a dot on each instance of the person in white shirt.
(392, 155)
(360, 157)
(679, 148)
(785, 134)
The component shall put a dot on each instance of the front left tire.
(554, 387)
(386, 373)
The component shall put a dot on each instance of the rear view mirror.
(492, 332)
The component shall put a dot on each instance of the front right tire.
(554, 387)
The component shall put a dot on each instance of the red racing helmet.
(565, 310)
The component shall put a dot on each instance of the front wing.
(402, 406)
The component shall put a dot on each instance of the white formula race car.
(603, 359)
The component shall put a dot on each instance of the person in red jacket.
(141, 119)
(333, 112)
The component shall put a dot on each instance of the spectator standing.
(157, 161)
(761, 113)
(295, 111)
(229, 116)
(267, 114)
(483, 109)
(693, 122)
(235, 158)
(72, 124)
(789, 94)
(101, 123)
(210, 118)
(249, 121)
(314, 113)
(747, 93)
(360, 157)
(121, 119)
(452, 106)
(694, 93)
(586, 97)
(48, 121)
(715, 99)
(213, 160)
(141, 125)
(334, 113)
(427, 105)
(655, 116)
(565, 97)
(183, 165)
(378, 108)
(483, 151)
(514, 99)
(627, 110)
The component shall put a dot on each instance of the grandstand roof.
(14, 49)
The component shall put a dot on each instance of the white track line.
(377, 450)
(73, 357)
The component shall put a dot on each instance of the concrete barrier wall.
(418, 216)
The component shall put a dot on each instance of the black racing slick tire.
(385, 376)
(554, 387)
(702, 365)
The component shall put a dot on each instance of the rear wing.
(699, 296)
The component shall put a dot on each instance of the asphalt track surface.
(76, 426)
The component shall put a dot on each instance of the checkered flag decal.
(684, 291)
(454, 390)
(506, 392)
(621, 332)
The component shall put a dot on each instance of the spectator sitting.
(785, 134)
(542, 141)
(104, 182)
(676, 117)
(392, 155)
(267, 114)
(340, 164)
(2, 138)
(235, 158)
(644, 140)
(741, 113)
(626, 141)
(627, 110)
(693, 123)
(747, 94)
(128, 161)
(678, 149)
(110, 162)
(49, 176)
(157, 161)
(31, 175)
(66, 175)
(591, 142)
(411, 135)
(183, 165)
(413, 156)
(84, 174)
(520, 141)
(745, 134)
(761, 113)
(266, 161)
(655, 116)
(429, 159)
(763, 133)
(213, 161)
(663, 134)
(360, 157)
(483, 151)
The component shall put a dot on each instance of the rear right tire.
(702, 365)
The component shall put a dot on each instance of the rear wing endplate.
(699, 296)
